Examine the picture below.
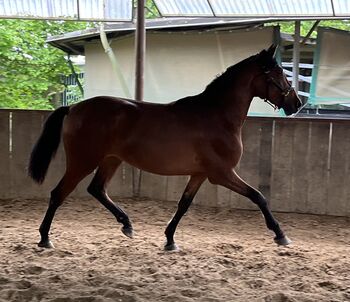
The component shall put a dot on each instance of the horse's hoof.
(283, 241)
(128, 232)
(171, 247)
(46, 244)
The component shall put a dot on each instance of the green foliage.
(30, 69)
(151, 10)
(305, 26)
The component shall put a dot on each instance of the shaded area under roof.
(73, 42)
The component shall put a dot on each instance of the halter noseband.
(284, 92)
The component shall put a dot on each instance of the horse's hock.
(300, 165)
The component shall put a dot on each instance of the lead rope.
(272, 105)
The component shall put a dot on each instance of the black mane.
(224, 79)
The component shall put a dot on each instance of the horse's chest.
(228, 149)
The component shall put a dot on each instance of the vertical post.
(78, 10)
(140, 44)
(296, 56)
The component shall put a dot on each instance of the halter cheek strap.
(284, 92)
(275, 107)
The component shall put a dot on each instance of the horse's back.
(169, 139)
(147, 135)
(101, 105)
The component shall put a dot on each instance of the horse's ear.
(272, 50)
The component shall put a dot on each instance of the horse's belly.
(163, 159)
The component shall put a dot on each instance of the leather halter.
(284, 92)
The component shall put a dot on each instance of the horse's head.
(272, 85)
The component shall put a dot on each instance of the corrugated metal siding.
(118, 8)
(269, 7)
(184, 7)
(121, 10)
(341, 7)
(111, 10)
(302, 7)
(239, 7)
(253, 8)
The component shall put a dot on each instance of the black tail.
(47, 145)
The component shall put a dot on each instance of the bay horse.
(198, 135)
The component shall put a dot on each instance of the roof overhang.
(73, 42)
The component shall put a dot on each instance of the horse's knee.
(92, 189)
(95, 190)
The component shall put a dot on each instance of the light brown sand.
(226, 256)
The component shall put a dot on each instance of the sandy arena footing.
(226, 255)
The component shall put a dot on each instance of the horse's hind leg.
(233, 182)
(97, 188)
(67, 184)
(186, 199)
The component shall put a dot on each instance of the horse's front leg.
(191, 189)
(232, 181)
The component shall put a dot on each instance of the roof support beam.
(140, 44)
(296, 56)
(310, 31)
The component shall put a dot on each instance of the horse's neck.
(236, 100)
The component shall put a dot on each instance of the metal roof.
(73, 42)
(298, 9)
(122, 10)
(110, 10)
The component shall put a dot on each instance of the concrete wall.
(301, 165)
(19, 131)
